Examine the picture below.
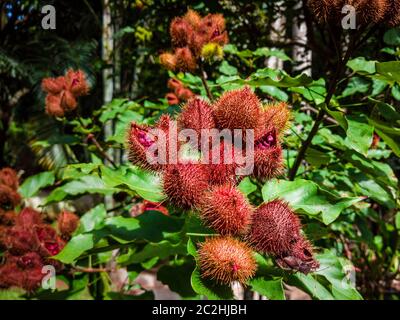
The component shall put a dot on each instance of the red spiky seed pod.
(268, 161)
(19, 240)
(174, 84)
(28, 218)
(185, 184)
(67, 223)
(181, 31)
(9, 198)
(237, 109)
(276, 115)
(68, 101)
(9, 177)
(76, 83)
(139, 141)
(184, 94)
(222, 169)
(326, 10)
(225, 259)
(53, 106)
(369, 11)
(196, 114)
(7, 218)
(54, 85)
(49, 243)
(11, 275)
(185, 61)
(193, 18)
(168, 60)
(300, 258)
(172, 99)
(274, 229)
(392, 17)
(226, 210)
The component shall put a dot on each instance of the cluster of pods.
(211, 189)
(29, 242)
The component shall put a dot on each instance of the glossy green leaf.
(34, 183)
(271, 288)
(359, 134)
(307, 197)
(209, 288)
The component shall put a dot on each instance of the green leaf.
(317, 158)
(392, 37)
(359, 134)
(275, 92)
(146, 184)
(362, 66)
(246, 186)
(34, 183)
(75, 247)
(356, 85)
(227, 69)
(152, 226)
(334, 270)
(307, 197)
(378, 86)
(177, 278)
(209, 288)
(271, 288)
(92, 219)
(309, 284)
(389, 71)
(397, 220)
(162, 250)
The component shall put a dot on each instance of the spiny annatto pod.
(67, 223)
(54, 85)
(392, 17)
(168, 60)
(226, 210)
(238, 109)
(9, 177)
(226, 259)
(76, 82)
(369, 11)
(181, 31)
(53, 105)
(222, 163)
(172, 99)
(326, 10)
(276, 115)
(274, 229)
(185, 184)
(185, 61)
(268, 162)
(28, 217)
(193, 18)
(140, 139)
(299, 258)
(196, 114)
(9, 198)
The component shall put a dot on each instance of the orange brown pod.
(185, 184)
(226, 259)
(369, 11)
(276, 115)
(196, 114)
(168, 60)
(67, 223)
(9, 177)
(9, 198)
(226, 210)
(185, 61)
(268, 161)
(392, 17)
(237, 109)
(326, 10)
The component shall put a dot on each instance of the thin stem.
(203, 76)
(201, 234)
(92, 138)
(332, 87)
